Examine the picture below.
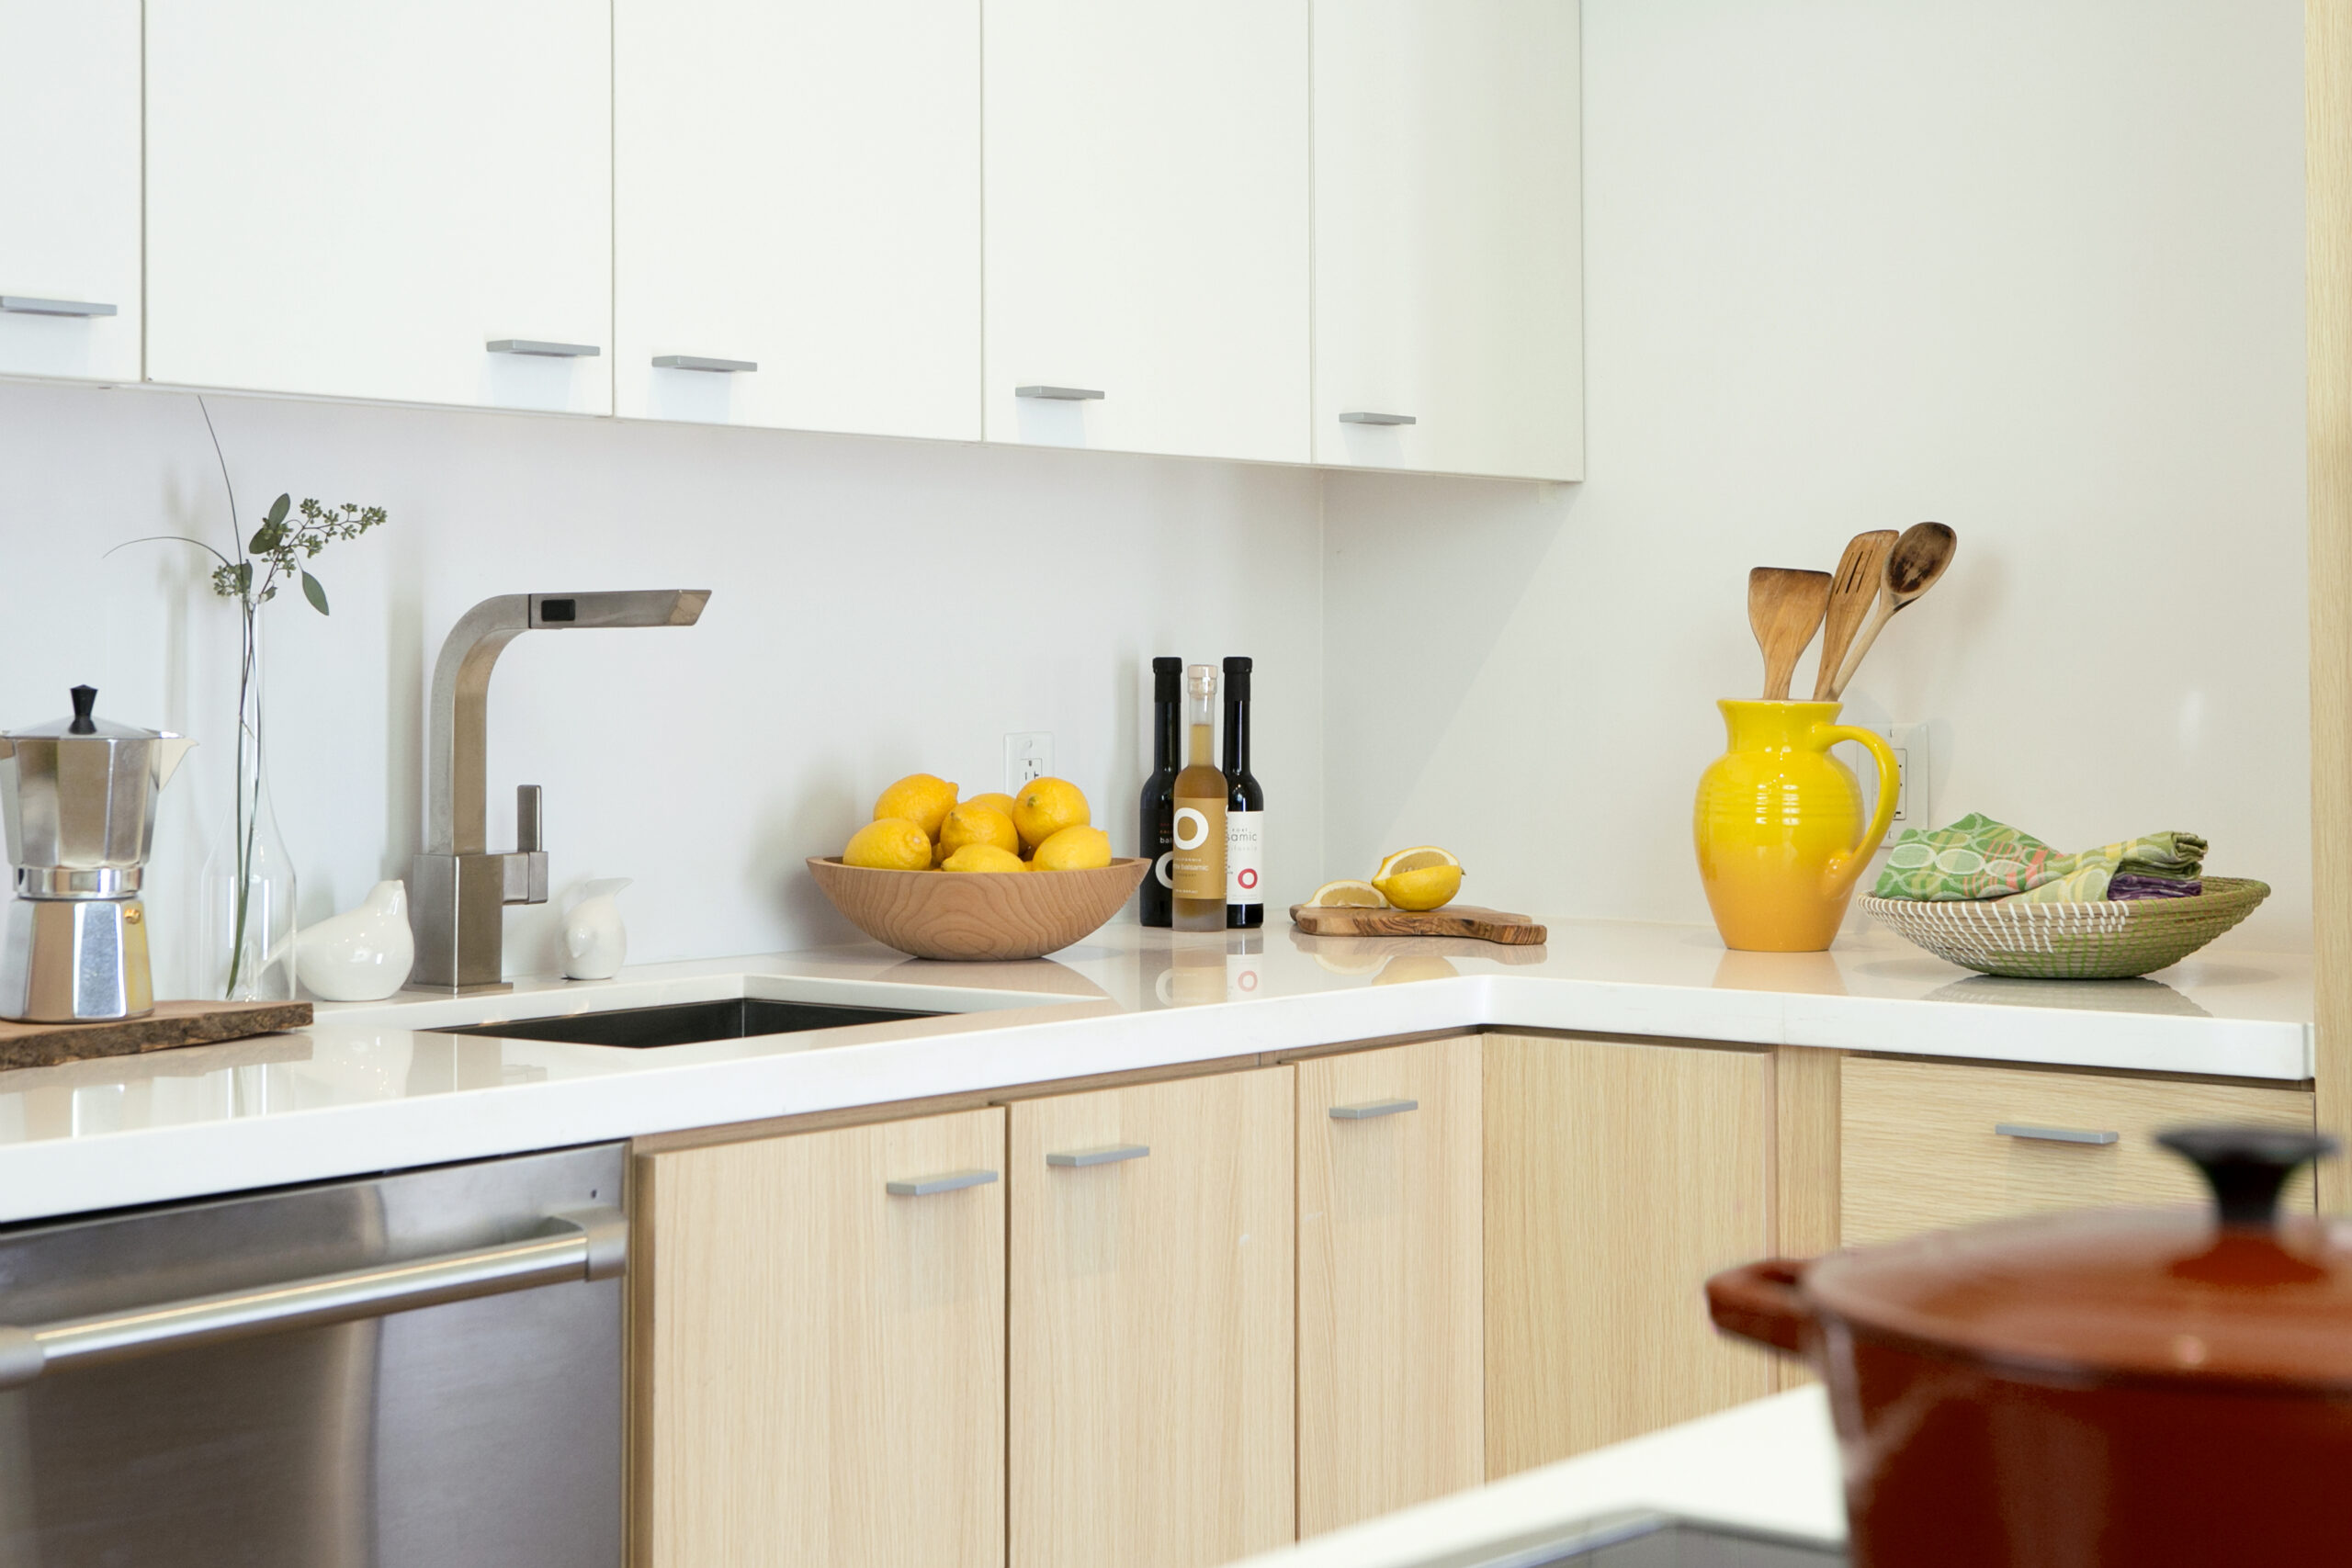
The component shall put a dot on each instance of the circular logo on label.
(1249, 979)
(1192, 828)
(1249, 879)
(1162, 868)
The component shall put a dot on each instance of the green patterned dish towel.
(1979, 858)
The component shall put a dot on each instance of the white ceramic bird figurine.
(595, 943)
(361, 956)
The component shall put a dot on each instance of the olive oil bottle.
(1199, 864)
(1155, 826)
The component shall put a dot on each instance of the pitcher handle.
(1847, 867)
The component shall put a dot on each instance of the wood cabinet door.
(1929, 1144)
(1146, 168)
(796, 187)
(1391, 1363)
(1448, 248)
(1153, 1323)
(820, 1359)
(68, 189)
(357, 201)
(1618, 1176)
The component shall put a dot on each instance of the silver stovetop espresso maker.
(78, 797)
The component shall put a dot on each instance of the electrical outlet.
(1910, 743)
(1028, 755)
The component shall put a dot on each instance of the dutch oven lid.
(84, 724)
(2233, 1293)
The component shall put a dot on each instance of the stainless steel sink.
(1646, 1540)
(686, 1023)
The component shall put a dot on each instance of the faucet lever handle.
(530, 835)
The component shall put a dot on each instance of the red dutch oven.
(2141, 1387)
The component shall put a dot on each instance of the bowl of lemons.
(990, 877)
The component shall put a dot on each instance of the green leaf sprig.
(283, 548)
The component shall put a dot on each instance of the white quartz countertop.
(364, 1090)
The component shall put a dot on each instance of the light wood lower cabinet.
(1151, 1371)
(1923, 1148)
(819, 1362)
(1618, 1177)
(1391, 1360)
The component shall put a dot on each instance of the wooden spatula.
(1918, 558)
(1851, 593)
(1784, 609)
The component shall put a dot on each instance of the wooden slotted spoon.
(1851, 593)
(1912, 567)
(1784, 609)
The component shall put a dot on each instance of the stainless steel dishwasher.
(419, 1369)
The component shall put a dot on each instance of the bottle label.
(1245, 856)
(1199, 848)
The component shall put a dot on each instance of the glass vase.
(248, 884)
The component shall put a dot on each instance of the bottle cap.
(1201, 680)
(1167, 678)
(1237, 678)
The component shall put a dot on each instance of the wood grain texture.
(2327, 165)
(977, 915)
(1618, 1177)
(1804, 1165)
(1918, 1151)
(1391, 1343)
(1785, 606)
(1151, 1370)
(821, 1364)
(170, 1024)
(1861, 573)
(1453, 920)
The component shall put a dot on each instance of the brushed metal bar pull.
(697, 362)
(581, 1244)
(543, 350)
(1110, 1153)
(1057, 394)
(2052, 1134)
(925, 1186)
(1363, 416)
(1371, 1109)
(24, 305)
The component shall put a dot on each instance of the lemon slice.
(1417, 858)
(1347, 894)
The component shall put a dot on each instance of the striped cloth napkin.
(1979, 858)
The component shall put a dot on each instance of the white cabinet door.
(356, 200)
(796, 187)
(68, 189)
(1147, 183)
(1448, 279)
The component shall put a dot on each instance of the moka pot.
(77, 797)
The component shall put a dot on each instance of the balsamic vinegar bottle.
(1155, 826)
(1199, 863)
(1244, 808)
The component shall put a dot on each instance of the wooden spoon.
(1912, 567)
(1851, 592)
(1784, 609)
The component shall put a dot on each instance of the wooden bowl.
(976, 914)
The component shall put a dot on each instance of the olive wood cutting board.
(1454, 919)
(170, 1024)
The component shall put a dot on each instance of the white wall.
(2030, 268)
(879, 607)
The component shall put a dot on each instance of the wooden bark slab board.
(170, 1024)
(1454, 919)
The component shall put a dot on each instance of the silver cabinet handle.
(586, 1244)
(1057, 394)
(1371, 1109)
(22, 305)
(925, 1186)
(1358, 416)
(2052, 1135)
(1110, 1153)
(697, 362)
(543, 350)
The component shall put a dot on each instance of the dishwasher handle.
(576, 1245)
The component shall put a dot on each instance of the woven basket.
(2107, 941)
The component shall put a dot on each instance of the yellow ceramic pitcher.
(1779, 825)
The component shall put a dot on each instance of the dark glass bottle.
(1245, 808)
(1156, 830)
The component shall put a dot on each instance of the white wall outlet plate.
(1028, 755)
(1909, 744)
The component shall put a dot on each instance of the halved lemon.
(1422, 878)
(1348, 894)
(1417, 858)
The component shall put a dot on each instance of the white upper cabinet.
(68, 189)
(359, 201)
(1448, 279)
(796, 187)
(1147, 225)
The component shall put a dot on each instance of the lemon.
(893, 843)
(1412, 860)
(1074, 849)
(972, 823)
(1045, 807)
(923, 799)
(982, 857)
(1347, 894)
(994, 801)
(1422, 878)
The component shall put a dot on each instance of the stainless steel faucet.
(457, 889)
